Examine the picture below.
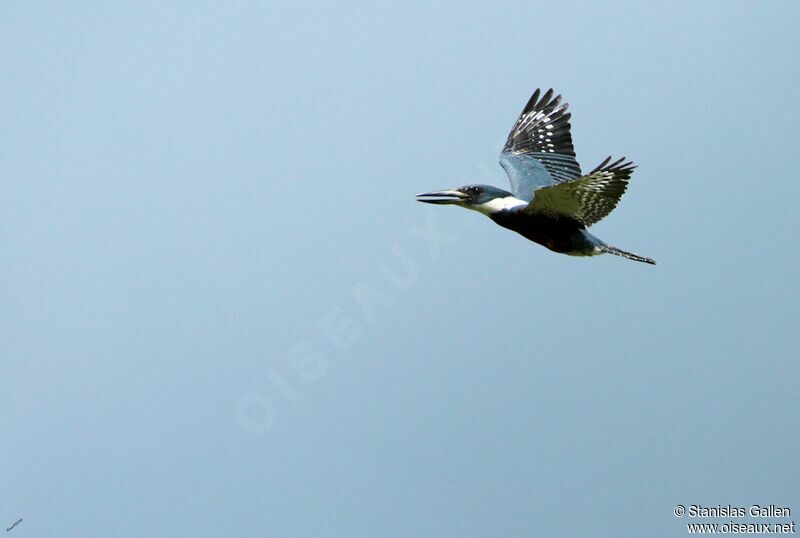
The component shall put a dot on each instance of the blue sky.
(224, 314)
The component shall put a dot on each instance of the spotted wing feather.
(589, 198)
(539, 151)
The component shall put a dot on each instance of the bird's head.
(483, 198)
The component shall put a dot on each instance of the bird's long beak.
(442, 197)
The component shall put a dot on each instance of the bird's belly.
(562, 235)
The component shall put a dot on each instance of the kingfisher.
(551, 202)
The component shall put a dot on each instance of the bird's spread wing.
(586, 199)
(538, 151)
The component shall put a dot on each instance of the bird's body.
(550, 202)
(559, 234)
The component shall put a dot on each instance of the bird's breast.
(560, 234)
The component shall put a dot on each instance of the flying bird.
(551, 201)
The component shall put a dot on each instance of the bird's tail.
(631, 256)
